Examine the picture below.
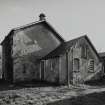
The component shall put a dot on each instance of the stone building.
(24, 46)
(73, 62)
(36, 51)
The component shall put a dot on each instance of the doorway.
(76, 65)
(76, 73)
(42, 70)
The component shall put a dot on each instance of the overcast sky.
(71, 18)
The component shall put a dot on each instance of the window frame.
(91, 63)
(78, 70)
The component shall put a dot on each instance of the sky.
(70, 18)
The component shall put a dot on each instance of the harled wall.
(29, 45)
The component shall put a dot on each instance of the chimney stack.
(42, 17)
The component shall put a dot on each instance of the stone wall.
(84, 62)
(26, 69)
(37, 39)
(29, 45)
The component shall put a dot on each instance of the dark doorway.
(7, 62)
(42, 70)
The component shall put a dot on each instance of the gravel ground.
(89, 99)
(33, 96)
(43, 95)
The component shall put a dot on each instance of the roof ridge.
(33, 23)
(29, 24)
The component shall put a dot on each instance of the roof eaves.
(7, 36)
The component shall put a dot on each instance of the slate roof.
(67, 45)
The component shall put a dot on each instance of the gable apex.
(35, 23)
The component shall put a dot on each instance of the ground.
(90, 99)
(36, 93)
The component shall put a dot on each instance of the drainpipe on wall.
(72, 64)
(40, 70)
(59, 71)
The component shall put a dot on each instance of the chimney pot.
(42, 17)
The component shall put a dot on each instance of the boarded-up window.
(91, 65)
(84, 52)
(76, 65)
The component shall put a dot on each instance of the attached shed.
(74, 62)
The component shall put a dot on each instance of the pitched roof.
(32, 24)
(67, 45)
(61, 49)
(102, 54)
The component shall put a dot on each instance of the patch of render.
(23, 45)
(28, 45)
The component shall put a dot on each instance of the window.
(91, 65)
(76, 65)
(84, 52)
(43, 69)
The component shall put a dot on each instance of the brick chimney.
(42, 17)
